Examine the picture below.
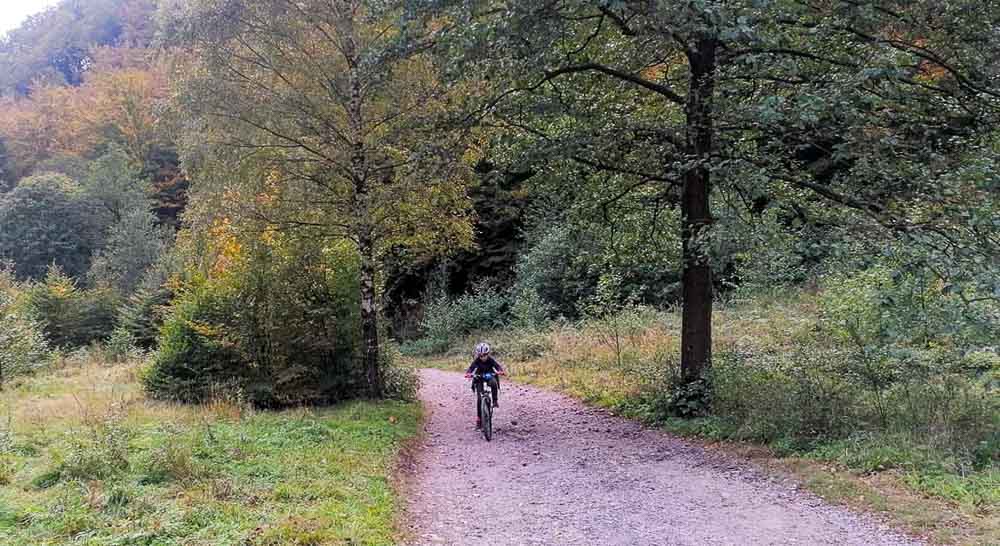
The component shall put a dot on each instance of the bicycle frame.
(484, 406)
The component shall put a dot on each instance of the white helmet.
(482, 349)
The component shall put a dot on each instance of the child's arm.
(499, 368)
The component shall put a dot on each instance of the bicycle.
(485, 407)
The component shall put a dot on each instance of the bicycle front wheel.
(487, 406)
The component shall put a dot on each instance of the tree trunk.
(364, 233)
(696, 322)
(369, 317)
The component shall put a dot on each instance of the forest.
(233, 232)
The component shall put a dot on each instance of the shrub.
(558, 268)
(614, 321)
(134, 244)
(99, 452)
(23, 347)
(447, 319)
(425, 346)
(195, 355)
(522, 345)
(279, 327)
(798, 396)
(882, 306)
(398, 381)
(172, 460)
(571, 253)
(528, 310)
(763, 255)
(120, 346)
(8, 468)
(143, 314)
(71, 317)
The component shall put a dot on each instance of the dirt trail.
(558, 472)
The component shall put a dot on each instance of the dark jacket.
(479, 367)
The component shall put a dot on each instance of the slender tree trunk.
(365, 238)
(696, 322)
(369, 317)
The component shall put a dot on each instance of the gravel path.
(558, 472)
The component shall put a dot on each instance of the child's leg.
(495, 388)
(479, 409)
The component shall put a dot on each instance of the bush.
(798, 397)
(522, 345)
(143, 314)
(23, 347)
(278, 327)
(883, 306)
(763, 255)
(134, 244)
(448, 319)
(557, 269)
(568, 258)
(195, 354)
(398, 381)
(121, 346)
(100, 452)
(820, 393)
(172, 460)
(528, 310)
(71, 317)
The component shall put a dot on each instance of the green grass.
(90, 461)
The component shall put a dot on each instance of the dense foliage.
(71, 316)
(47, 219)
(279, 328)
(23, 347)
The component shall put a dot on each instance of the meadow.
(86, 458)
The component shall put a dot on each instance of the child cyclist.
(484, 363)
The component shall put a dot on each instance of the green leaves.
(47, 219)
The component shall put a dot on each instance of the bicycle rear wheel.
(487, 406)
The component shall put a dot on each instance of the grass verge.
(86, 459)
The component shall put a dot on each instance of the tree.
(855, 104)
(23, 346)
(113, 181)
(133, 245)
(71, 317)
(47, 220)
(56, 45)
(117, 103)
(6, 178)
(125, 106)
(312, 117)
(55, 121)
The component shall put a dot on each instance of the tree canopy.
(778, 104)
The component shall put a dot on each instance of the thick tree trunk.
(696, 322)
